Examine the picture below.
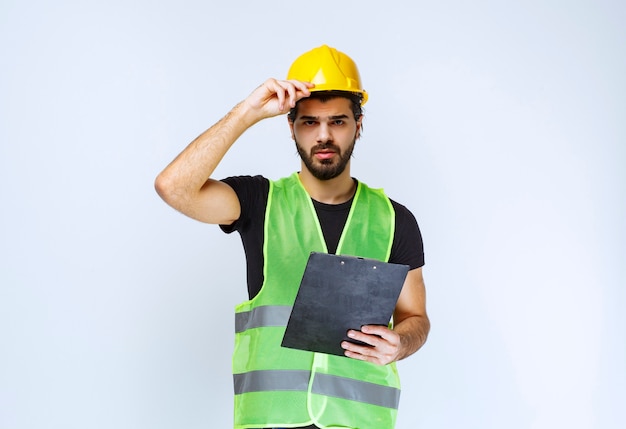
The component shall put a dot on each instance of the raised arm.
(186, 183)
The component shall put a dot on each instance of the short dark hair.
(354, 97)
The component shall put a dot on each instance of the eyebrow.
(316, 118)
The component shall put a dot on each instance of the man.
(320, 208)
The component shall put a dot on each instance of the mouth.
(324, 151)
(324, 154)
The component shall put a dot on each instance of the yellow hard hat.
(329, 70)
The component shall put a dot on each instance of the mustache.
(325, 146)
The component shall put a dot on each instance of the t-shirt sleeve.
(252, 193)
(408, 247)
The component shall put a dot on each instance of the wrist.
(247, 113)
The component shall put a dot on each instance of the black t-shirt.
(252, 191)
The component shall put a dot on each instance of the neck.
(334, 191)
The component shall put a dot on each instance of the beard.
(326, 169)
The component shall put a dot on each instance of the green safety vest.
(282, 387)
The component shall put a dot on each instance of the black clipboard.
(338, 293)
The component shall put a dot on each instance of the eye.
(309, 122)
(338, 122)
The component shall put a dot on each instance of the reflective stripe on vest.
(260, 381)
(323, 384)
(261, 317)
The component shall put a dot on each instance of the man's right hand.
(276, 97)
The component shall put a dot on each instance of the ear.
(359, 125)
(293, 137)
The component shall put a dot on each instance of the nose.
(323, 134)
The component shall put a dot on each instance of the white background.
(501, 125)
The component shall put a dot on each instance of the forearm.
(185, 176)
(413, 332)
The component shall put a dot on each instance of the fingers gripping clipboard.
(338, 293)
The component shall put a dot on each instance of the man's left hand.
(384, 345)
